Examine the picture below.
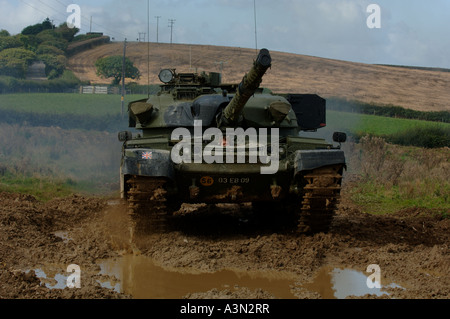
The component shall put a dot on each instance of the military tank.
(203, 141)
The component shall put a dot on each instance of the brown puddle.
(141, 278)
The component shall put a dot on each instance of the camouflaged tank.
(202, 141)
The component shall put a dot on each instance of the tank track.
(147, 204)
(320, 199)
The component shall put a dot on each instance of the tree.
(29, 42)
(54, 65)
(4, 33)
(111, 67)
(14, 62)
(67, 33)
(39, 27)
(9, 43)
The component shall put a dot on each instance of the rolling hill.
(422, 89)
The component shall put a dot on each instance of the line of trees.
(39, 42)
(52, 45)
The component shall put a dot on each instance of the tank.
(199, 140)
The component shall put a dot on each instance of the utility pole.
(171, 22)
(221, 63)
(157, 28)
(142, 36)
(123, 74)
(90, 26)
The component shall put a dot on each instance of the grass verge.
(388, 178)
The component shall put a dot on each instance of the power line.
(37, 9)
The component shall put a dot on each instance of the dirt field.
(410, 247)
(423, 90)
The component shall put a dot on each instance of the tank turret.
(250, 83)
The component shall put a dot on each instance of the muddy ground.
(411, 247)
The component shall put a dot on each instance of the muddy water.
(337, 283)
(141, 278)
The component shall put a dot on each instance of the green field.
(66, 103)
(375, 125)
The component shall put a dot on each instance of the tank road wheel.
(320, 198)
(148, 204)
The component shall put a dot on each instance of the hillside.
(413, 88)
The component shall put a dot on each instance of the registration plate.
(233, 180)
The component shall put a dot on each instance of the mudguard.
(306, 160)
(147, 162)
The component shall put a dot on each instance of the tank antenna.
(148, 48)
(256, 34)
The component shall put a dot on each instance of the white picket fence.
(98, 90)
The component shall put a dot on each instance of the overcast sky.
(413, 32)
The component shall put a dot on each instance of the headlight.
(166, 76)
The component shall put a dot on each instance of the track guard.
(306, 160)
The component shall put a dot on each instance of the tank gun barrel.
(249, 84)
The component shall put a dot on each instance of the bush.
(15, 62)
(7, 82)
(48, 49)
(9, 42)
(428, 137)
(60, 44)
(29, 42)
(67, 33)
(67, 81)
(54, 65)
(84, 37)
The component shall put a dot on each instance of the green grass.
(393, 177)
(61, 103)
(43, 189)
(376, 125)
(376, 198)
